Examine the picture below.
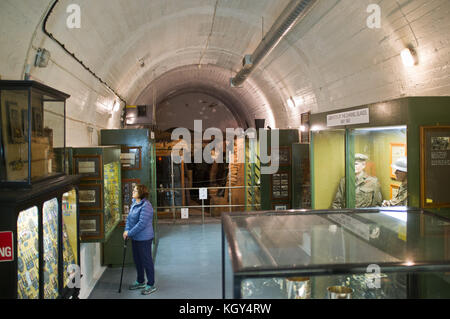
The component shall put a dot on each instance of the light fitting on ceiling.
(42, 58)
(409, 57)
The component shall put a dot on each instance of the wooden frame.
(98, 166)
(397, 150)
(434, 166)
(138, 157)
(99, 232)
(393, 188)
(90, 196)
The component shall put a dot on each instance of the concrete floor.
(188, 266)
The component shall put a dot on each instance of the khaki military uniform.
(368, 193)
(401, 198)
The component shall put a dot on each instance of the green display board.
(277, 188)
(138, 166)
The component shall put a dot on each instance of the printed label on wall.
(348, 118)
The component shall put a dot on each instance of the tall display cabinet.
(39, 220)
(417, 128)
(138, 166)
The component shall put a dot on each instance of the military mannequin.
(401, 172)
(368, 189)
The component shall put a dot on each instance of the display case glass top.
(309, 242)
(32, 119)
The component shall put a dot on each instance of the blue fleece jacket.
(140, 221)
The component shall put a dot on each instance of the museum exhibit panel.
(100, 194)
(277, 190)
(338, 254)
(39, 201)
(137, 166)
(376, 138)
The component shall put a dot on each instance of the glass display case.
(360, 254)
(43, 221)
(374, 155)
(100, 193)
(32, 117)
(137, 166)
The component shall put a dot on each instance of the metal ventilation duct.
(292, 14)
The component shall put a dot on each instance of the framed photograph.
(435, 166)
(280, 186)
(131, 157)
(397, 150)
(393, 190)
(16, 135)
(89, 166)
(37, 119)
(91, 225)
(90, 196)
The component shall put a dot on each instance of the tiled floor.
(188, 266)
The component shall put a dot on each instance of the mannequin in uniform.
(368, 190)
(401, 171)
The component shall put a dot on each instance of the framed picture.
(435, 166)
(397, 150)
(89, 166)
(16, 134)
(284, 154)
(90, 196)
(91, 225)
(280, 186)
(130, 158)
(393, 190)
(37, 121)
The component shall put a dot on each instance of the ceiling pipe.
(291, 15)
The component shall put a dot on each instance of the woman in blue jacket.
(139, 228)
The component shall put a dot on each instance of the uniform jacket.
(140, 221)
(401, 198)
(367, 193)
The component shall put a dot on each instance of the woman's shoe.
(137, 285)
(148, 290)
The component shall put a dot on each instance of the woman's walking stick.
(123, 263)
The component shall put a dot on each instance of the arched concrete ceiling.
(331, 60)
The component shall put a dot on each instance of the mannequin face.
(359, 166)
(400, 176)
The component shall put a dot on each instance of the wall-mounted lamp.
(409, 57)
(42, 58)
